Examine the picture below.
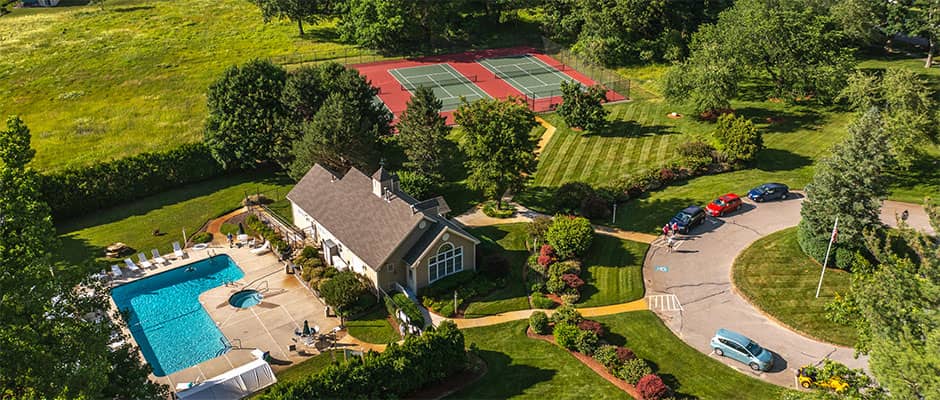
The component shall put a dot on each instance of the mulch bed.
(593, 365)
(454, 382)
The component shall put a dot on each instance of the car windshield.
(754, 348)
(718, 202)
(683, 217)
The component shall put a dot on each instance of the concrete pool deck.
(268, 326)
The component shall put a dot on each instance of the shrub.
(583, 108)
(538, 227)
(566, 335)
(737, 138)
(310, 252)
(545, 261)
(624, 354)
(547, 250)
(534, 265)
(537, 287)
(491, 209)
(844, 258)
(201, 237)
(570, 236)
(651, 387)
(695, 150)
(540, 301)
(568, 197)
(410, 309)
(572, 280)
(607, 355)
(631, 371)
(80, 190)
(538, 321)
(342, 291)
(595, 207)
(570, 297)
(555, 285)
(418, 185)
(567, 315)
(570, 267)
(495, 266)
(586, 342)
(593, 326)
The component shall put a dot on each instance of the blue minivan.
(739, 347)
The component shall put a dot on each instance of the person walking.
(670, 243)
(675, 228)
(666, 230)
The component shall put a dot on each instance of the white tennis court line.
(530, 60)
(445, 70)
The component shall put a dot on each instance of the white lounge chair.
(116, 270)
(178, 250)
(266, 247)
(144, 262)
(242, 239)
(157, 258)
(131, 266)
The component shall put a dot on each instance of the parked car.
(723, 205)
(739, 347)
(769, 191)
(688, 219)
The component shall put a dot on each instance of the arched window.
(447, 261)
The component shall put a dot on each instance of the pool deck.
(268, 326)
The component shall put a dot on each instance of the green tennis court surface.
(529, 75)
(448, 84)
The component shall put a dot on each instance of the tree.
(339, 136)
(849, 184)
(737, 138)
(245, 114)
(498, 144)
(295, 10)
(53, 341)
(423, 134)
(916, 18)
(570, 236)
(342, 291)
(400, 25)
(417, 185)
(707, 80)
(583, 108)
(892, 303)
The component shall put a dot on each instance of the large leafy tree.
(53, 336)
(497, 141)
(799, 48)
(893, 304)
(707, 81)
(339, 136)
(849, 184)
(400, 25)
(295, 10)
(916, 18)
(422, 133)
(245, 113)
(583, 107)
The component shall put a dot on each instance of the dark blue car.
(688, 218)
(769, 191)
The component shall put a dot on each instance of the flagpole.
(832, 238)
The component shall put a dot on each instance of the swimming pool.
(171, 327)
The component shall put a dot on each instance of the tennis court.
(448, 85)
(531, 76)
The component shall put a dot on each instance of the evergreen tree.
(737, 138)
(849, 184)
(422, 134)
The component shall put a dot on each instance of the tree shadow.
(537, 198)
(626, 128)
(131, 9)
(645, 215)
(504, 378)
(773, 160)
(321, 34)
(781, 121)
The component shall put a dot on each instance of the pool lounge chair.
(157, 258)
(178, 250)
(131, 266)
(266, 247)
(144, 262)
(116, 270)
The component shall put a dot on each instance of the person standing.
(229, 236)
(675, 228)
(666, 230)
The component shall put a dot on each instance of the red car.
(723, 205)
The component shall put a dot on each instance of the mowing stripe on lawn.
(557, 159)
(592, 163)
(574, 161)
(564, 158)
(599, 174)
(645, 152)
(584, 165)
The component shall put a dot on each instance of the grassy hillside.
(106, 82)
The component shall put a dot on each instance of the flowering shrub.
(593, 326)
(651, 387)
(572, 280)
(545, 260)
(547, 250)
(624, 354)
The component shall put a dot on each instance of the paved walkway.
(546, 136)
(215, 227)
(464, 323)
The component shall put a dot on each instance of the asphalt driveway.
(698, 273)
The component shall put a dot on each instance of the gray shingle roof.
(368, 225)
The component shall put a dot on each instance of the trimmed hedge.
(538, 321)
(399, 370)
(79, 190)
(410, 309)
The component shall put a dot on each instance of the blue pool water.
(171, 327)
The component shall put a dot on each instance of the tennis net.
(432, 82)
(529, 72)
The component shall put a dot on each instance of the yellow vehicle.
(808, 379)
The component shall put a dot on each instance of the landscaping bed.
(778, 278)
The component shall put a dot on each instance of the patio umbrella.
(306, 331)
(241, 229)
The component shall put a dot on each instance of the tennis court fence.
(529, 72)
(457, 80)
(608, 78)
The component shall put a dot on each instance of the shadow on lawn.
(772, 160)
(504, 378)
(783, 121)
(645, 215)
(622, 128)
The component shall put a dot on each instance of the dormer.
(383, 183)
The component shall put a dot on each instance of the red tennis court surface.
(395, 97)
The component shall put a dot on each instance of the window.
(447, 261)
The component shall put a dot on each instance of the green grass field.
(613, 272)
(509, 241)
(689, 372)
(778, 278)
(131, 76)
(187, 207)
(373, 327)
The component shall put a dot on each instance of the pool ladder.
(262, 286)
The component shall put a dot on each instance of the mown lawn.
(689, 372)
(508, 240)
(373, 327)
(103, 82)
(187, 207)
(778, 278)
(305, 368)
(613, 272)
(522, 368)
